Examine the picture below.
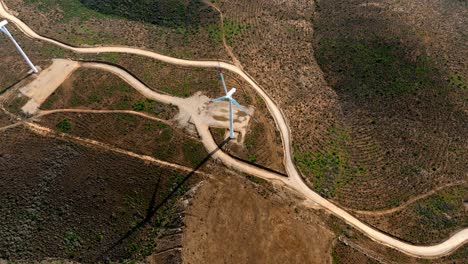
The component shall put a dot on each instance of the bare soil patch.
(230, 222)
(45, 83)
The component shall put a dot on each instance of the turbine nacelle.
(231, 101)
(3, 23)
(231, 92)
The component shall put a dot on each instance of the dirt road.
(294, 180)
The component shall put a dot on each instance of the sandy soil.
(230, 222)
(46, 83)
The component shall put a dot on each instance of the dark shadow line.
(257, 165)
(152, 208)
(251, 163)
(120, 67)
(15, 83)
(153, 198)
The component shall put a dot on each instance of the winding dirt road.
(294, 180)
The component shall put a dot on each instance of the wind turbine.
(231, 100)
(5, 30)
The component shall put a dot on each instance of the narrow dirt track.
(409, 202)
(92, 111)
(294, 180)
(44, 131)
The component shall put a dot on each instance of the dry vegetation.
(133, 133)
(73, 22)
(13, 67)
(344, 254)
(386, 122)
(276, 51)
(382, 123)
(351, 246)
(432, 219)
(91, 89)
(64, 200)
(99, 90)
(405, 121)
(404, 124)
(163, 77)
(233, 220)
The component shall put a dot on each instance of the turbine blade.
(219, 99)
(231, 120)
(222, 80)
(239, 106)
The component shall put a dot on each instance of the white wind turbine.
(5, 30)
(231, 100)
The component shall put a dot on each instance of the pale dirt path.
(225, 44)
(294, 181)
(407, 203)
(44, 131)
(11, 126)
(92, 111)
(42, 113)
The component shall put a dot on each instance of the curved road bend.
(294, 180)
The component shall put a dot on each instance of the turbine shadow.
(153, 207)
(15, 83)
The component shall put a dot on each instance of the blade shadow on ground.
(153, 207)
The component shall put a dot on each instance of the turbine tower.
(5, 30)
(231, 100)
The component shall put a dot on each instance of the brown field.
(234, 221)
(13, 67)
(133, 133)
(385, 117)
(72, 22)
(432, 219)
(374, 93)
(352, 247)
(100, 90)
(64, 200)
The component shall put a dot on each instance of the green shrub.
(194, 152)
(64, 125)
